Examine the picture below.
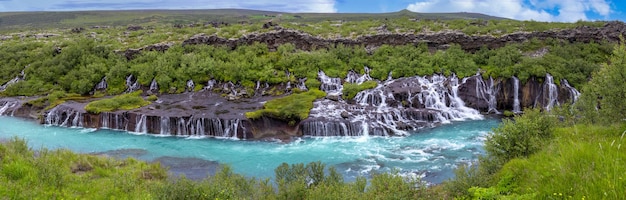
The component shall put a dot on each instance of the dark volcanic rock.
(440, 40)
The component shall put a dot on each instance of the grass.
(62, 174)
(121, 102)
(292, 108)
(351, 89)
(583, 162)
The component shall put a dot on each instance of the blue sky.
(539, 10)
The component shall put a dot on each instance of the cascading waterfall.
(574, 94)
(190, 85)
(154, 86)
(516, 104)
(165, 126)
(201, 127)
(18, 78)
(141, 125)
(354, 77)
(102, 85)
(331, 86)
(552, 91)
(487, 92)
(5, 106)
(210, 84)
(131, 85)
(301, 84)
(62, 116)
(421, 102)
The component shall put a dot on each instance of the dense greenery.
(351, 89)
(83, 62)
(292, 108)
(121, 102)
(61, 174)
(535, 156)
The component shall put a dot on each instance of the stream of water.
(430, 153)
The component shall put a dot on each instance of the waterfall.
(354, 77)
(102, 85)
(210, 84)
(64, 116)
(231, 128)
(516, 103)
(552, 92)
(331, 86)
(301, 84)
(113, 121)
(190, 85)
(18, 78)
(140, 126)
(420, 102)
(487, 92)
(131, 84)
(5, 106)
(574, 94)
(154, 86)
(165, 126)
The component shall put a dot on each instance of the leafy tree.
(605, 95)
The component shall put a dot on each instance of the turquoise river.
(430, 153)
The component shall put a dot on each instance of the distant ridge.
(68, 19)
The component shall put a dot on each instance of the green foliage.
(121, 102)
(603, 98)
(292, 108)
(66, 175)
(63, 174)
(585, 162)
(351, 89)
(520, 137)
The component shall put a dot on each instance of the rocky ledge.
(394, 107)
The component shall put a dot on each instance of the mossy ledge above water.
(121, 102)
(292, 108)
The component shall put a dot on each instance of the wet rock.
(334, 97)
(345, 114)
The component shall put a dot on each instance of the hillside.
(44, 20)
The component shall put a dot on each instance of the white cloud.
(567, 10)
(318, 6)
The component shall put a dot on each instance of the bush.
(124, 102)
(292, 108)
(520, 137)
(350, 90)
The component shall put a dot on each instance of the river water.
(430, 153)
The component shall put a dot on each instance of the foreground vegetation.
(61, 174)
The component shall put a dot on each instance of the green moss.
(351, 89)
(152, 98)
(292, 108)
(122, 102)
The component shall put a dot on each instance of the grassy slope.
(37, 20)
(582, 162)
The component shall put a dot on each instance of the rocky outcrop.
(131, 53)
(394, 107)
(439, 40)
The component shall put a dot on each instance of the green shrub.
(351, 89)
(152, 98)
(122, 102)
(520, 137)
(292, 108)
